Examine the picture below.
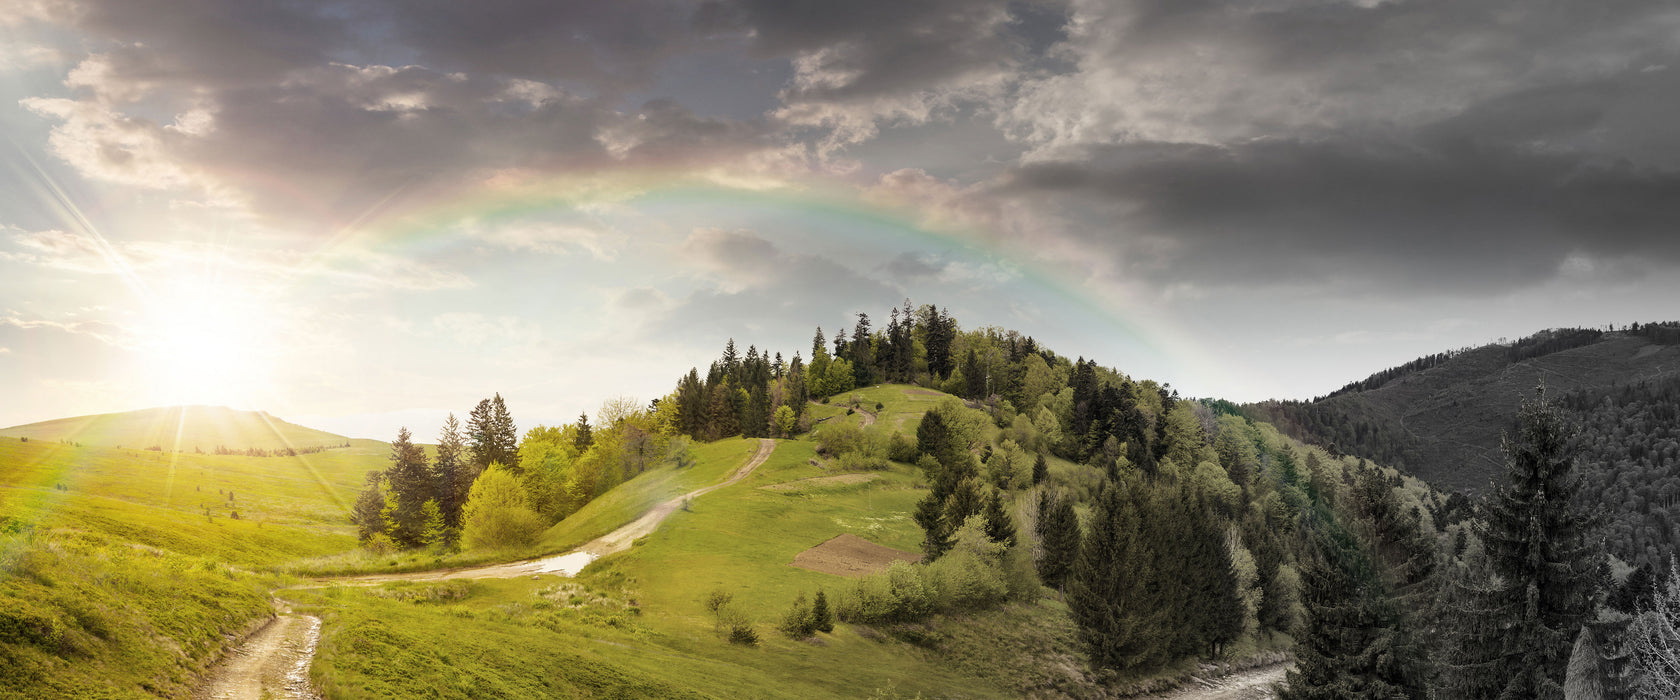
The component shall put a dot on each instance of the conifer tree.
(585, 437)
(451, 473)
(410, 485)
(1058, 536)
(1110, 594)
(1517, 617)
(1041, 470)
(505, 437)
(1341, 652)
(822, 616)
(1000, 527)
(370, 504)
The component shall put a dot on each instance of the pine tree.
(585, 437)
(480, 442)
(505, 436)
(452, 474)
(821, 615)
(367, 513)
(1517, 617)
(1041, 470)
(1000, 527)
(1111, 595)
(410, 486)
(1058, 536)
(930, 515)
(1341, 652)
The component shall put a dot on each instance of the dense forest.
(1173, 529)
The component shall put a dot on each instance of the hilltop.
(179, 429)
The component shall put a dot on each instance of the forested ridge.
(1172, 529)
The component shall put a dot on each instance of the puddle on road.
(565, 564)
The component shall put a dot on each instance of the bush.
(798, 622)
(902, 448)
(496, 515)
(879, 406)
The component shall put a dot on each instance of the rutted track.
(274, 661)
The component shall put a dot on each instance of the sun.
(204, 344)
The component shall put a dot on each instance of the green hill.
(179, 429)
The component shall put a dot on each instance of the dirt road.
(570, 563)
(1253, 684)
(272, 663)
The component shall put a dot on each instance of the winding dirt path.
(1253, 684)
(272, 663)
(570, 563)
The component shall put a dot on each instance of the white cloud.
(543, 237)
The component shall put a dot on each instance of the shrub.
(496, 515)
(822, 617)
(798, 622)
(902, 448)
(879, 405)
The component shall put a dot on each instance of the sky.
(363, 214)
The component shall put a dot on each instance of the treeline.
(485, 487)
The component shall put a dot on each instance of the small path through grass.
(1253, 684)
(272, 663)
(570, 563)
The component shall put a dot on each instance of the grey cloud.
(911, 266)
(1381, 215)
(784, 291)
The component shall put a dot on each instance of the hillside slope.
(1443, 422)
(179, 429)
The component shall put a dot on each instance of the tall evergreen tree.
(863, 353)
(452, 474)
(1111, 594)
(411, 486)
(480, 426)
(368, 512)
(505, 437)
(585, 437)
(1342, 651)
(1000, 527)
(1517, 618)
(1058, 536)
(1041, 470)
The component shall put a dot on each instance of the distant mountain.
(183, 428)
(1441, 417)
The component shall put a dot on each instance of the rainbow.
(431, 228)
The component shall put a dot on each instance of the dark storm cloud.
(1387, 215)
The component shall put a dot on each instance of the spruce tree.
(1041, 470)
(1058, 536)
(505, 436)
(822, 616)
(1517, 616)
(451, 473)
(1112, 594)
(1000, 527)
(1342, 652)
(585, 437)
(370, 504)
(411, 486)
(480, 443)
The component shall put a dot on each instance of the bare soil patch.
(851, 556)
(272, 663)
(818, 482)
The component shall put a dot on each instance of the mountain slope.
(1442, 420)
(179, 428)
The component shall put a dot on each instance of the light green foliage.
(548, 456)
(971, 428)
(435, 532)
(1185, 438)
(496, 515)
(1213, 481)
(786, 421)
(1248, 579)
(1049, 427)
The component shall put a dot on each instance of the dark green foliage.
(1343, 650)
(1000, 527)
(1058, 536)
(451, 473)
(369, 504)
(410, 484)
(585, 437)
(1517, 612)
(822, 615)
(492, 435)
(1041, 470)
(936, 536)
(1110, 595)
(1639, 587)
